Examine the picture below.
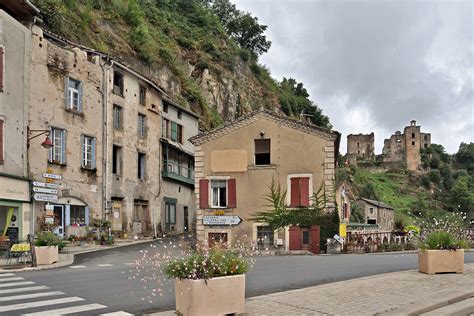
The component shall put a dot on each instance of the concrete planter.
(220, 296)
(46, 254)
(439, 261)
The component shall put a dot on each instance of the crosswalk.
(21, 297)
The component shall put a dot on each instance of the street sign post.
(52, 176)
(45, 190)
(229, 220)
(45, 185)
(45, 197)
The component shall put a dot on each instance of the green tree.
(465, 156)
(368, 191)
(461, 196)
(357, 214)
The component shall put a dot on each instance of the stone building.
(378, 213)
(236, 164)
(15, 51)
(344, 199)
(406, 147)
(360, 147)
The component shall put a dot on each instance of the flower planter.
(217, 296)
(439, 261)
(46, 254)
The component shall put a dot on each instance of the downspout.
(105, 92)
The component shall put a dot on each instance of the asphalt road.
(104, 277)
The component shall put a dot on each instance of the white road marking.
(16, 283)
(25, 296)
(6, 274)
(24, 289)
(105, 265)
(128, 263)
(117, 314)
(77, 267)
(15, 307)
(67, 310)
(11, 279)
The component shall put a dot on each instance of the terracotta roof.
(245, 120)
(377, 203)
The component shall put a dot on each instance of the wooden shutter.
(304, 191)
(232, 193)
(295, 192)
(79, 101)
(174, 131)
(83, 146)
(1, 141)
(93, 165)
(204, 193)
(67, 98)
(63, 148)
(1, 68)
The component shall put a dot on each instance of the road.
(104, 278)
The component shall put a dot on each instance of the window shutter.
(204, 193)
(93, 153)
(67, 97)
(295, 192)
(1, 141)
(80, 96)
(232, 195)
(87, 215)
(1, 68)
(83, 143)
(63, 147)
(174, 131)
(304, 191)
(51, 135)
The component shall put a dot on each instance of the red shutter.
(304, 191)
(1, 141)
(295, 192)
(1, 68)
(203, 193)
(232, 195)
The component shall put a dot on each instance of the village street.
(103, 277)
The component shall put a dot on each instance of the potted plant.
(209, 282)
(47, 245)
(441, 251)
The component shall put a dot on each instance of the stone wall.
(361, 146)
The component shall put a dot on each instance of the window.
(371, 210)
(262, 152)
(425, 145)
(174, 131)
(140, 211)
(165, 128)
(74, 95)
(371, 221)
(118, 117)
(165, 107)
(425, 137)
(118, 83)
(141, 125)
(142, 96)
(1, 140)
(264, 237)
(88, 152)
(78, 215)
(299, 191)
(57, 153)
(219, 193)
(170, 213)
(358, 145)
(141, 166)
(179, 114)
(116, 160)
(344, 210)
(180, 134)
(412, 135)
(413, 143)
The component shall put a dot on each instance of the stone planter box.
(439, 261)
(46, 254)
(220, 296)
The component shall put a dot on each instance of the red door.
(315, 237)
(295, 238)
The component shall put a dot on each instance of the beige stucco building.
(236, 164)
(378, 213)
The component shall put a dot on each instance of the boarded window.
(140, 211)
(262, 152)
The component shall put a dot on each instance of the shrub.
(439, 240)
(49, 239)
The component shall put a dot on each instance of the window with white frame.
(74, 95)
(57, 152)
(88, 152)
(141, 125)
(218, 193)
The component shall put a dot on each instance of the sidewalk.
(66, 256)
(398, 293)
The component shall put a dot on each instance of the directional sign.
(45, 185)
(212, 220)
(339, 239)
(45, 190)
(45, 197)
(52, 176)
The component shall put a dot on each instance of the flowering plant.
(442, 240)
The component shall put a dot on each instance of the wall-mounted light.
(262, 133)
(47, 143)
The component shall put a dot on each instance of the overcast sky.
(376, 65)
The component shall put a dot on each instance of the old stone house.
(344, 199)
(236, 164)
(378, 213)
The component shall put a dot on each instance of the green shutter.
(174, 131)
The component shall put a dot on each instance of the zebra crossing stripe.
(6, 274)
(105, 265)
(14, 307)
(67, 310)
(16, 283)
(77, 267)
(24, 289)
(121, 313)
(11, 279)
(26, 296)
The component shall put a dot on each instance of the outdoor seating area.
(14, 252)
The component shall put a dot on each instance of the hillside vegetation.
(202, 52)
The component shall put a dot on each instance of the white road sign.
(45, 185)
(213, 220)
(45, 197)
(52, 176)
(45, 190)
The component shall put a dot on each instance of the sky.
(373, 66)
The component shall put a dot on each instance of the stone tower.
(360, 147)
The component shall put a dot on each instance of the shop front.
(71, 216)
(14, 207)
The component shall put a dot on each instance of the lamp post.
(47, 143)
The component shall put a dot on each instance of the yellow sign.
(219, 212)
(342, 230)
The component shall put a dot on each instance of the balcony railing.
(174, 170)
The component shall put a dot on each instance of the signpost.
(339, 239)
(45, 185)
(45, 190)
(45, 197)
(212, 220)
(52, 176)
